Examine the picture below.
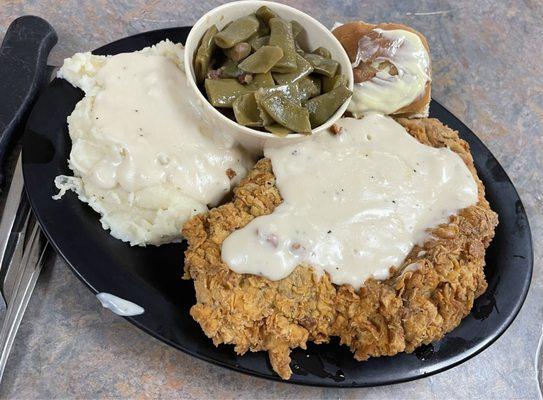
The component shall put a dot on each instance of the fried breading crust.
(412, 307)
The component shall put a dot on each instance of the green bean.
(322, 107)
(265, 14)
(291, 92)
(230, 69)
(287, 113)
(238, 31)
(323, 52)
(239, 52)
(333, 82)
(258, 41)
(281, 35)
(308, 88)
(278, 130)
(246, 111)
(317, 82)
(303, 69)
(297, 28)
(223, 92)
(262, 60)
(263, 77)
(204, 53)
(264, 116)
(322, 66)
(263, 28)
(298, 49)
(262, 81)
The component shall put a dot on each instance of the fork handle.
(23, 70)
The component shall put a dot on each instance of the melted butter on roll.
(391, 67)
(387, 92)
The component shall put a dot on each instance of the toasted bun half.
(349, 35)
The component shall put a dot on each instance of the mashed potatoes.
(142, 155)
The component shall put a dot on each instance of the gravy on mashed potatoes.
(142, 155)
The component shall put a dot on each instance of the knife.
(23, 73)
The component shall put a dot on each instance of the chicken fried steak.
(423, 299)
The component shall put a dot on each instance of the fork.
(24, 266)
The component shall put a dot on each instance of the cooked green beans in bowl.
(256, 71)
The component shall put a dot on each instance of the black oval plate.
(151, 277)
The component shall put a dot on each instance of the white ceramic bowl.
(316, 35)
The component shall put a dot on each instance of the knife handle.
(23, 71)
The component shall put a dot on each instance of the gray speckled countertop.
(488, 70)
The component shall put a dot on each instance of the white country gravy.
(143, 109)
(143, 155)
(353, 204)
(388, 93)
(119, 306)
